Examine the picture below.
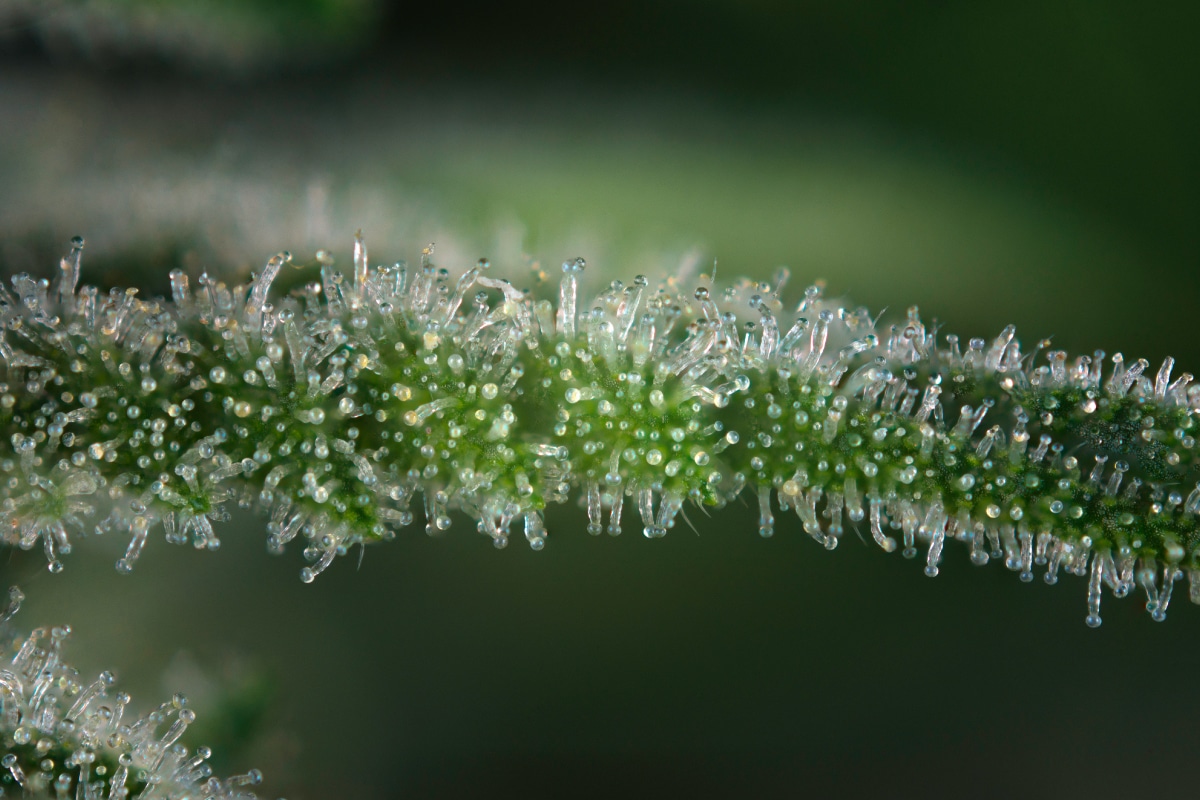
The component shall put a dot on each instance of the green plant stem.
(332, 409)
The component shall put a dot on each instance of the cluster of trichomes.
(78, 739)
(335, 407)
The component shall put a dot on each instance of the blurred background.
(992, 162)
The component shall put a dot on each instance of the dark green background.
(993, 162)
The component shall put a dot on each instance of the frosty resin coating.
(78, 738)
(333, 409)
